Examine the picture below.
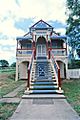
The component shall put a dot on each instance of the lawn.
(72, 92)
(7, 109)
(8, 83)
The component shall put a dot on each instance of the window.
(27, 45)
(57, 44)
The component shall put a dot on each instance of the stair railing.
(29, 69)
(57, 69)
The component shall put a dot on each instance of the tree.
(73, 22)
(4, 63)
(13, 64)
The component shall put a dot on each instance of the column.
(66, 64)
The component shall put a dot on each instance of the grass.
(6, 110)
(20, 93)
(8, 83)
(72, 92)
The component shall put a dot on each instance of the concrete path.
(14, 92)
(10, 100)
(44, 109)
(11, 97)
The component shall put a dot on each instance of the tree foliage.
(4, 63)
(13, 64)
(73, 22)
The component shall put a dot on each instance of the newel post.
(59, 80)
(28, 84)
(49, 53)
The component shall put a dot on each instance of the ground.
(10, 93)
(16, 89)
(72, 92)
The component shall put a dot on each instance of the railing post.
(59, 80)
(34, 53)
(28, 83)
(49, 54)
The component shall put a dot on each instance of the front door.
(41, 50)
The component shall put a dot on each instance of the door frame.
(42, 54)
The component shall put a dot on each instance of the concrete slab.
(14, 92)
(44, 109)
(46, 96)
(10, 100)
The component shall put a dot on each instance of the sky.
(16, 16)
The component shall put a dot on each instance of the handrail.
(57, 69)
(29, 69)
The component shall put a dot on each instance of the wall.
(62, 70)
(23, 71)
(73, 73)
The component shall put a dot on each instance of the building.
(41, 43)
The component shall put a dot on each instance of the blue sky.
(16, 16)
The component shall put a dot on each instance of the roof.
(58, 37)
(41, 25)
(25, 37)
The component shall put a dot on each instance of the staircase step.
(44, 91)
(48, 87)
(44, 80)
(43, 83)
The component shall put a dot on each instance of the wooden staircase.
(43, 78)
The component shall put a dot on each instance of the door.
(41, 50)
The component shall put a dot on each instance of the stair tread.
(44, 80)
(44, 91)
(44, 83)
(44, 86)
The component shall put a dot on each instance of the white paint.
(73, 73)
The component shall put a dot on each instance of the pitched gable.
(41, 25)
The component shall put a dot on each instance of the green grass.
(8, 70)
(72, 92)
(8, 83)
(6, 110)
(20, 93)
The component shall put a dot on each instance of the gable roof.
(41, 24)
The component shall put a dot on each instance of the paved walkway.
(11, 97)
(10, 100)
(14, 92)
(44, 109)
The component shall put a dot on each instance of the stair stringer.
(32, 71)
(56, 77)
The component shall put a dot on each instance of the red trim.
(49, 54)
(59, 80)
(28, 84)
